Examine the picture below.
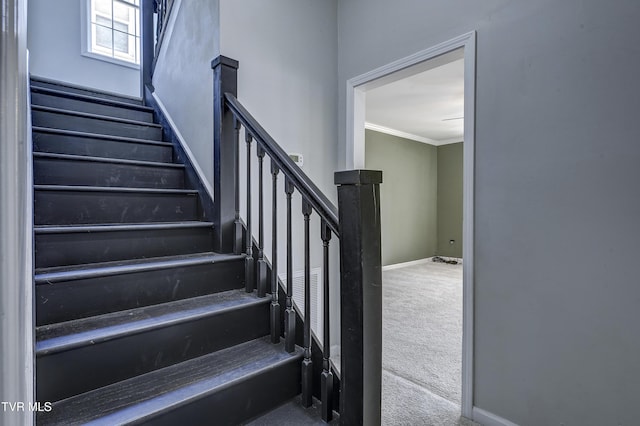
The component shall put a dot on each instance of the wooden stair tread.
(89, 98)
(144, 396)
(71, 157)
(59, 337)
(94, 116)
(102, 269)
(77, 133)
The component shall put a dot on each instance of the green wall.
(407, 195)
(450, 200)
(420, 197)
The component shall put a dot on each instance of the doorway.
(463, 48)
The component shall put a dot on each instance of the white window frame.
(86, 29)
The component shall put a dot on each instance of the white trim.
(449, 141)
(410, 136)
(17, 362)
(187, 150)
(399, 133)
(114, 61)
(405, 264)
(355, 96)
(468, 215)
(489, 419)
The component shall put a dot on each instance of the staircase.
(138, 320)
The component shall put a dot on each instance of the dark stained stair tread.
(94, 123)
(92, 144)
(99, 136)
(79, 244)
(70, 157)
(81, 291)
(113, 189)
(89, 98)
(89, 331)
(94, 116)
(42, 82)
(94, 270)
(65, 169)
(71, 204)
(114, 228)
(147, 396)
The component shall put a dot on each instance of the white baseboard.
(186, 148)
(486, 418)
(417, 262)
(404, 264)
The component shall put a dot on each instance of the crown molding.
(411, 136)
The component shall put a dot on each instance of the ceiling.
(427, 107)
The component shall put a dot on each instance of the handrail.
(356, 223)
(310, 192)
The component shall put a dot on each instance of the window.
(114, 30)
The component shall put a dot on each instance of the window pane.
(102, 21)
(103, 37)
(103, 7)
(122, 12)
(120, 42)
(119, 26)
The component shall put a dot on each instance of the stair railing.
(154, 16)
(357, 226)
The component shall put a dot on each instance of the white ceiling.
(420, 106)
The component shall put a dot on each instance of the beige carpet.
(422, 345)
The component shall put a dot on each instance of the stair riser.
(57, 171)
(87, 92)
(239, 402)
(79, 105)
(92, 147)
(87, 207)
(76, 248)
(58, 120)
(103, 363)
(65, 301)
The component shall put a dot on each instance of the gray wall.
(556, 183)
(183, 78)
(287, 79)
(450, 200)
(408, 198)
(54, 43)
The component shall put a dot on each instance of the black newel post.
(360, 296)
(147, 44)
(225, 80)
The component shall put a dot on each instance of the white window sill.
(109, 59)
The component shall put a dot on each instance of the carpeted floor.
(422, 345)
(421, 351)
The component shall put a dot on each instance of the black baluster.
(307, 364)
(326, 378)
(261, 275)
(290, 315)
(275, 306)
(248, 262)
(237, 241)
